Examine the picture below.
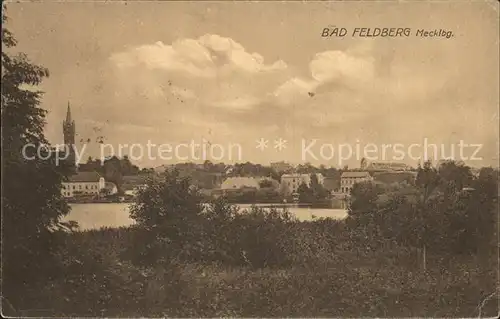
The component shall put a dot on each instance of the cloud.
(293, 90)
(238, 103)
(210, 73)
(213, 75)
(213, 86)
(207, 56)
(337, 65)
(329, 71)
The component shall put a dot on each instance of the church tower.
(69, 136)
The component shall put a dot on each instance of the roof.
(135, 179)
(273, 182)
(387, 165)
(239, 182)
(295, 175)
(85, 177)
(355, 174)
(301, 175)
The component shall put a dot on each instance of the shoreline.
(264, 205)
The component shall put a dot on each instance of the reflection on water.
(95, 216)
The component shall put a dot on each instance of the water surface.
(95, 216)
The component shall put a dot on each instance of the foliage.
(305, 193)
(31, 188)
(112, 169)
(447, 211)
(184, 259)
(253, 196)
(266, 183)
(364, 198)
(168, 212)
(253, 170)
(346, 282)
(427, 179)
(314, 193)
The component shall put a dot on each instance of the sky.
(230, 74)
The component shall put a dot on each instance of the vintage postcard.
(250, 159)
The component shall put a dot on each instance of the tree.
(363, 164)
(147, 171)
(455, 176)
(427, 179)
(265, 183)
(305, 194)
(208, 166)
(364, 198)
(127, 168)
(112, 169)
(314, 193)
(31, 193)
(92, 165)
(168, 212)
(306, 168)
(318, 191)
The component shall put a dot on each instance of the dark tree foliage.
(112, 169)
(305, 194)
(31, 189)
(447, 211)
(168, 212)
(313, 194)
(364, 198)
(427, 179)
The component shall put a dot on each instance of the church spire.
(69, 135)
(68, 114)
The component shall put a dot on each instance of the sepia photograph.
(250, 159)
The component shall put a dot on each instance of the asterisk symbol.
(280, 144)
(261, 143)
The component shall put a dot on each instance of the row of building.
(290, 183)
(364, 166)
(93, 184)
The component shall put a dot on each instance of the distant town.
(119, 180)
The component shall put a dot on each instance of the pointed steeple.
(68, 126)
(68, 114)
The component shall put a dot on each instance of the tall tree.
(167, 214)
(31, 192)
(306, 195)
(427, 179)
(319, 192)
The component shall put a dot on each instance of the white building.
(83, 184)
(290, 183)
(348, 179)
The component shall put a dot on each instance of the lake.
(95, 216)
